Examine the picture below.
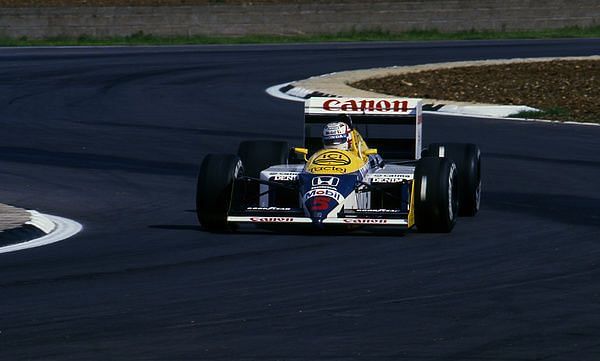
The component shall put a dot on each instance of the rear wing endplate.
(392, 125)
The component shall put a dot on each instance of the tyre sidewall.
(258, 155)
(436, 202)
(214, 189)
(468, 162)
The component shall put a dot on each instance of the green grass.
(375, 35)
(552, 113)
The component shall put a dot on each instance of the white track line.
(59, 229)
(275, 92)
(41, 222)
(532, 120)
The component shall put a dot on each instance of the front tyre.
(214, 189)
(435, 194)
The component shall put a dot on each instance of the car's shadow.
(292, 231)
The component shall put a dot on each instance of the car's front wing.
(365, 217)
(349, 221)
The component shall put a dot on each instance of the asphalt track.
(113, 137)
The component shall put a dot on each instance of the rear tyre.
(257, 155)
(467, 158)
(214, 189)
(435, 197)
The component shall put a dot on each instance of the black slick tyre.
(257, 155)
(435, 194)
(214, 189)
(467, 158)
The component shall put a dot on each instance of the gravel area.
(564, 90)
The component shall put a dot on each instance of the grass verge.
(140, 38)
(552, 113)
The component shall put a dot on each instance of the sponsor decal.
(327, 169)
(272, 219)
(365, 221)
(323, 192)
(332, 159)
(284, 177)
(325, 181)
(267, 209)
(378, 210)
(390, 178)
(383, 106)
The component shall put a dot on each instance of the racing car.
(380, 176)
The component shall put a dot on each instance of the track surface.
(113, 138)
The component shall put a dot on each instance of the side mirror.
(371, 151)
(301, 152)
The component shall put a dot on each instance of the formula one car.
(386, 180)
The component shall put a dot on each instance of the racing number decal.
(332, 159)
(320, 203)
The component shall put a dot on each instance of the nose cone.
(319, 206)
(323, 195)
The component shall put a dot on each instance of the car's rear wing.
(392, 125)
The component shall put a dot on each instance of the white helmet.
(337, 136)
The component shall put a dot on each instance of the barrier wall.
(298, 18)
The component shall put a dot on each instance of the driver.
(337, 135)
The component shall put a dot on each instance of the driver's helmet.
(337, 136)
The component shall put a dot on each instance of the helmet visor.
(335, 139)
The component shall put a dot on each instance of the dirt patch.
(564, 90)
